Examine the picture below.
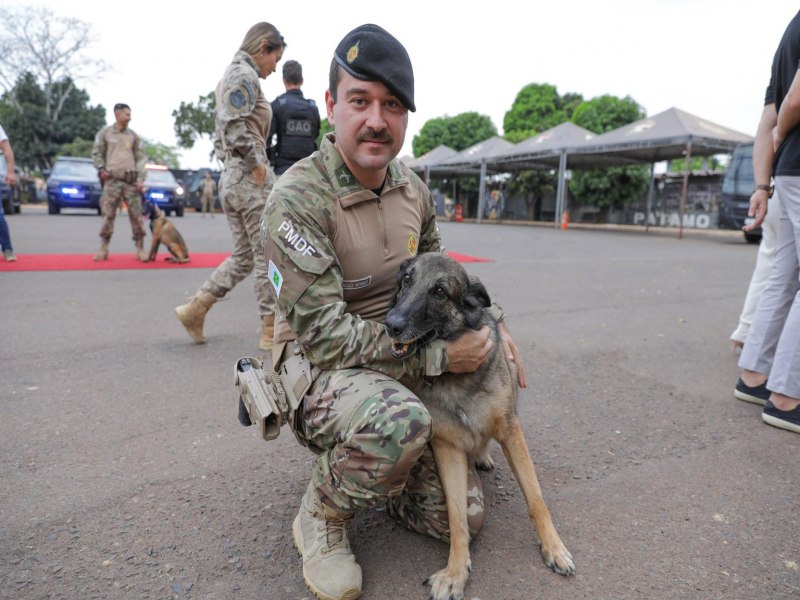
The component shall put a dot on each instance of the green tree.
(459, 132)
(615, 186)
(537, 108)
(36, 136)
(161, 154)
(607, 112)
(77, 147)
(26, 123)
(78, 119)
(696, 164)
(193, 121)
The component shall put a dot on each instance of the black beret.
(370, 53)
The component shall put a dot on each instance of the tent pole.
(562, 168)
(650, 198)
(482, 192)
(685, 188)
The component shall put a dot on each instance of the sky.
(710, 58)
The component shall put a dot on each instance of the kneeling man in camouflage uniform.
(336, 229)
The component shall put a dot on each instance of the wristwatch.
(767, 188)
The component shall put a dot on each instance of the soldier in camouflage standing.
(208, 187)
(337, 228)
(243, 118)
(117, 154)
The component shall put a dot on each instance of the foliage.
(161, 154)
(77, 147)
(533, 185)
(616, 186)
(51, 49)
(459, 132)
(37, 136)
(698, 163)
(193, 121)
(537, 108)
(324, 127)
(42, 56)
(608, 188)
(607, 112)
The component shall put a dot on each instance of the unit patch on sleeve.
(412, 244)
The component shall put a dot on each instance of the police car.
(162, 189)
(73, 183)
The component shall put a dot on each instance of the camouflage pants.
(373, 434)
(243, 201)
(114, 192)
(207, 203)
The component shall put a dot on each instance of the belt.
(126, 176)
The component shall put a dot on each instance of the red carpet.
(464, 258)
(84, 262)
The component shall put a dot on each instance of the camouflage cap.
(370, 53)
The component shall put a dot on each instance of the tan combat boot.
(193, 315)
(267, 332)
(140, 253)
(320, 534)
(102, 254)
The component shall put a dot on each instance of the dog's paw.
(484, 461)
(559, 559)
(449, 584)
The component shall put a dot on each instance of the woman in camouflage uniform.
(243, 118)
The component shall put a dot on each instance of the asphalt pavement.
(124, 472)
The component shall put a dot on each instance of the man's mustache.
(370, 135)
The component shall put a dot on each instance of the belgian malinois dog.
(164, 232)
(438, 299)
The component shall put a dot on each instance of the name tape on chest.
(295, 240)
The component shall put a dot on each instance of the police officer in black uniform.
(295, 122)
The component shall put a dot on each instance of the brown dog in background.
(164, 232)
(438, 299)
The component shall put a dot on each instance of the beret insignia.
(352, 54)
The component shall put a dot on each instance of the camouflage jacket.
(116, 150)
(333, 250)
(243, 115)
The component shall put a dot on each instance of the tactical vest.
(297, 129)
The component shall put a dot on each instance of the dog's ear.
(475, 300)
(405, 266)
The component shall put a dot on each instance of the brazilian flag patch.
(275, 278)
